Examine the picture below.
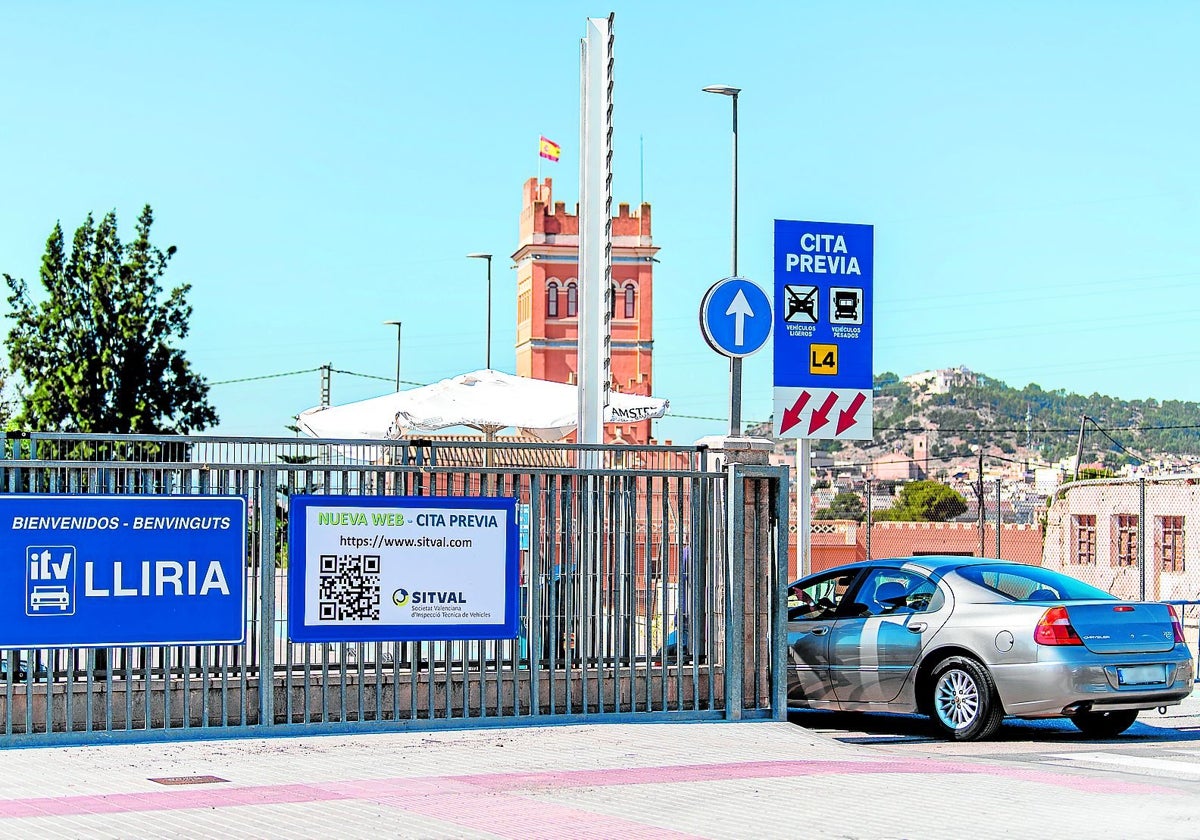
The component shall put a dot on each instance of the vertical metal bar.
(646, 601)
(664, 563)
(869, 523)
(627, 589)
(12, 662)
(185, 667)
(361, 673)
(678, 620)
(223, 669)
(803, 508)
(69, 688)
(341, 649)
(46, 661)
(266, 603)
(588, 555)
(430, 694)
(30, 667)
(779, 600)
(515, 645)
(533, 585)
(694, 588)
(735, 592)
(396, 680)
(1141, 539)
(147, 688)
(414, 663)
(378, 708)
(999, 519)
(205, 685)
(163, 654)
(711, 551)
(325, 647)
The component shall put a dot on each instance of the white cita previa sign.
(402, 568)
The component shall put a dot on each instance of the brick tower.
(548, 295)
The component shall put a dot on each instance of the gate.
(650, 590)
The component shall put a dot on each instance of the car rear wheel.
(962, 700)
(1104, 724)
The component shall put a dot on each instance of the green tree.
(96, 353)
(924, 501)
(845, 505)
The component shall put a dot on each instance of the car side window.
(816, 599)
(895, 592)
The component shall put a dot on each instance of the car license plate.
(1142, 675)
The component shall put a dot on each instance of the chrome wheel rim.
(956, 699)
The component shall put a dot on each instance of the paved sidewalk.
(715, 780)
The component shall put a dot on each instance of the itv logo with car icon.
(50, 582)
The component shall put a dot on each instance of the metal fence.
(649, 590)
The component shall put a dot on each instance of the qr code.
(348, 588)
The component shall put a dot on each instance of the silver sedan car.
(969, 640)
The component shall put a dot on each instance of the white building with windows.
(1105, 533)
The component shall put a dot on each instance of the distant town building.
(1046, 480)
(897, 466)
(940, 381)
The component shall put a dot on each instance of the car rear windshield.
(1032, 583)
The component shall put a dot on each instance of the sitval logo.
(400, 597)
(50, 580)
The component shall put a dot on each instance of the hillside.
(960, 409)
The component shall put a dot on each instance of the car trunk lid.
(1123, 627)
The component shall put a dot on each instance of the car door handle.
(820, 631)
(917, 627)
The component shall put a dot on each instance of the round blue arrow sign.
(735, 317)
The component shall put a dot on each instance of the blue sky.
(1032, 170)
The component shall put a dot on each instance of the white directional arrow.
(739, 308)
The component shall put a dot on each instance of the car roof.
(929, 562)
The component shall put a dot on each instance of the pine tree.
(98, 353)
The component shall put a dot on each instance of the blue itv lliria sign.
(101, 571)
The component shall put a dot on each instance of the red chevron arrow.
(791, 416)
(821, 416)
(847, 419)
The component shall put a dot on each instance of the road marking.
(1158, 765)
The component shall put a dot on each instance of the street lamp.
(735, 363)
(397, 325)
(488, 257)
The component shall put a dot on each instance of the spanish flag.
(549, 149)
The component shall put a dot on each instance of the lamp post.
(397, 325)
(735, 363)
(488, 257)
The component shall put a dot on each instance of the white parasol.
(485, 400)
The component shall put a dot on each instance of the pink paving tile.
(524, 819)
(763, 769)
(457, 795)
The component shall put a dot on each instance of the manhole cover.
(189, 780)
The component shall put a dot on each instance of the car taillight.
(1054, 628)
(1176, 625)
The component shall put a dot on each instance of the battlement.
(545, 221)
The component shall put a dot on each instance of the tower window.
(552, 300)
(630, 300)
(572, 300)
